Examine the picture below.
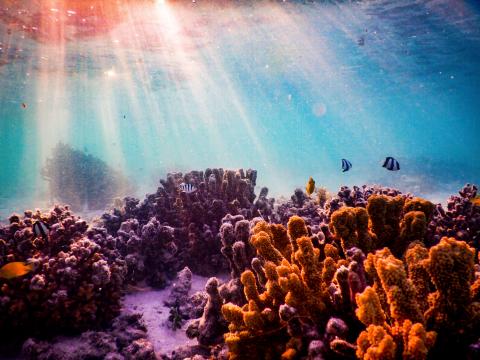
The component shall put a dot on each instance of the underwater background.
(287, 88)
(193, 180)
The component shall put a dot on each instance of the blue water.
(287, 88)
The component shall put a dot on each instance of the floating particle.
(24, 105)
(110, 73)
(319, 109)
(289, 97)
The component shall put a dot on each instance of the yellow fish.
(476, 200)
(310, 186)
(15, 269)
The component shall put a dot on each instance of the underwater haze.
(287, 88)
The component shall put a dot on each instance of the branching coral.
(351, 226)
(384, 213)
(418, 274)
(196, 217)
(452, 311)
(461, 219)
(396, 326)
(292, 312)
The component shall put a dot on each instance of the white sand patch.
(149, 303)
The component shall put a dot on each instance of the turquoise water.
(287, 88)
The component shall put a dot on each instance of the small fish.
(310, 186)
(40, 229)
(391, 164)
(476, 200)
(15, 269)
(24, 105)
(188, 188)
(361, 41)
(346, 165)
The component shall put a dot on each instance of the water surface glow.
(288, 88)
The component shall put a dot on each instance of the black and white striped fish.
(391, 164)
(188, 188)
(346, 165)
(40, 229)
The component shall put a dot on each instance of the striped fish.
(391, 164)
(346, 165)
(188, 188)
(40, 229)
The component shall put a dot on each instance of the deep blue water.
(286, 88)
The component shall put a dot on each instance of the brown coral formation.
(75, 285)
(363, 281)
(414, 298)
(302, 289)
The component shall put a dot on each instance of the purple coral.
(75, 284)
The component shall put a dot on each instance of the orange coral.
(384, 214)
(281, 241)
(451, 267)
(412, 227)
(417, 272)
(417, 341)
(311, 283)
(369, 310)
(418, 204)
(375, 344)
(398, 288)
(296, 229)
(262, 241)
(351, 226)
(297, 282)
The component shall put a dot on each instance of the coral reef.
(289, 313)
(74, 285)
(182, 306)
(126, 339)
(374, 288)
(369, 273)
(210, 327)
(82, 180)
(193, 221)
(461, 219)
